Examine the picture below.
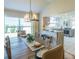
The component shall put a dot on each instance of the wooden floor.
(20, 51)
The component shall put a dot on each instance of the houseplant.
(30, 38)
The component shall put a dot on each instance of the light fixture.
(30, 13)
(31, 16)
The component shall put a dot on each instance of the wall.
(59, 6)
(14, 13)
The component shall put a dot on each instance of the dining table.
(39, 51)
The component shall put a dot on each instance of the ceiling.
(23, 5)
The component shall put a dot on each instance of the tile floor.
(69, 44)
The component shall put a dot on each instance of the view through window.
(14, 24)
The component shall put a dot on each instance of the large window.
(13, 24)
(27, 26)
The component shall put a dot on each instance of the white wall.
(14, 13)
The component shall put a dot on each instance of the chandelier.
(31, 16)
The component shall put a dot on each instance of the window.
(13, 24)
(27, 26)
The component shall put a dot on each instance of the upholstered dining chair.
(8, 47)
(60, 38)
(56, 53)
(37, 34)
(21, 33)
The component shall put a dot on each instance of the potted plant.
(30, 38)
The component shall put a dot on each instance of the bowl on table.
(37, 44)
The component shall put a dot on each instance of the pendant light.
(31, 16)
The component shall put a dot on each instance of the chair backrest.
(8, 47)
(60, 37)
(56, 53)
(20, 33)
(37, 34)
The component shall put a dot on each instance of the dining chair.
(37, 34)
(54, 53)
(60, 38)
(8, 47)
(21, 33)
(44, 36)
